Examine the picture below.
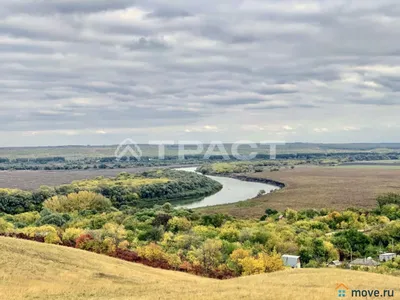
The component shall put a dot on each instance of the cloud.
(350, 128)
(288, 128)
(75, 69)
(205, 128)
(321, 130)
(101, 132)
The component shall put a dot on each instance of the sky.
(98, 72)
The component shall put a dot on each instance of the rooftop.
(290, 256)
(365, 262)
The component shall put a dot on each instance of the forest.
(212, 245)
(138, 190)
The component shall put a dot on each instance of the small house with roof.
(365, 262)
(387, 256)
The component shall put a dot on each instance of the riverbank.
(242, 177)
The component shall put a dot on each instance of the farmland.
(76, 152)
(41, 271)
(319, 187)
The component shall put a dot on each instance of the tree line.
(137, 190)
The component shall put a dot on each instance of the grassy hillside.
(30, 270)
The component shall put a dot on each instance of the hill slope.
(30, 270)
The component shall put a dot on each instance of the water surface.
(234, 190)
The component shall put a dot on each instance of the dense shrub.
(49, 233)
(152, 252)
(27, 218)
(72, 234)
(352, 240)
(80, 201)
(52, 219)
(389, 198)
(216, 246)
(179, 224)
(5, 227)
(13, 201)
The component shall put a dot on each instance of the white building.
(387, 256)
(291, 261)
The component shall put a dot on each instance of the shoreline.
(242, 177)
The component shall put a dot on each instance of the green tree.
(210, 254)
(351, 240)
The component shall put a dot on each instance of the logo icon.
(128, 148)
(341, 289)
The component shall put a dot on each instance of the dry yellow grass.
(319, 187)
(30, 270)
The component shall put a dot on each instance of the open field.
(30, 270)
(319, 187)
(30, 180)
(388, 163)
(79, 152)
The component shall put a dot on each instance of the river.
(233, 190)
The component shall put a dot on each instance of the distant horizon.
(205, 143)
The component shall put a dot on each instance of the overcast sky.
(100, 71)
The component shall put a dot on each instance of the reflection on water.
(233, 190)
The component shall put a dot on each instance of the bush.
(263, 263)
(389, 198)
(116, 233)
(153, 234)
(151, 252)
(271, 212)
(52, 219)
(5, 227)
(179, 224)
(312, 264)
(161, 219)
(71, 234)
(229, 233)
(13, 201)
(49, 233)
(215, 220)
(235, 259)
(27, 218)
(82, 241)
(78, 202)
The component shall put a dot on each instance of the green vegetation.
(77, 202)
(224, 168)
(133, 190)
(214, 245)
(390, 198)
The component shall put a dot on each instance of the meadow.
(318, 187)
